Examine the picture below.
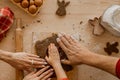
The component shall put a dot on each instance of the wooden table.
(77, 11)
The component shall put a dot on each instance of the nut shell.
(32, 9)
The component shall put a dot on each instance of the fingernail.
(63, 33)
(42, 60)
(37, 56)
(51, 70)
(45, 63)
(47, 66)
(58, 39)
(73, 37)
(43, 66)
(59, 34)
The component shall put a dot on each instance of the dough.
(41, 48)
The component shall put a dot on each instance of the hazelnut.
(38, 2)
(17, 1)
(32, 2)
(25, 4)
(32, 9)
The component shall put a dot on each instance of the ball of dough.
(38, 2)
(32, 9)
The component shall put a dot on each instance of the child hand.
(53, 53)
(54, 60)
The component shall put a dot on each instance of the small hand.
(54, 57)
(40, 75)
(54, 60)
(73, 49)
(23, 60)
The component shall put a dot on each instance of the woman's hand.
(54, 57)
(26, 61)
(73, 49)
(40, 75)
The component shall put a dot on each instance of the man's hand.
(40, 75)
(26, 61)
(78, 54)
(73, 49)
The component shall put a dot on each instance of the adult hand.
(40, 75)
(54, 57)
(73, 49)
(26, 61)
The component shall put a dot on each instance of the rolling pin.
(19, 45)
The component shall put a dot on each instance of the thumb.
(47, 59)
(64, 61)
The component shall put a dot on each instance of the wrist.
(55, 65)
(61, 75)
(5, 56)
(89, 58)
(58, 67)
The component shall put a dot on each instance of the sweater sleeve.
(118, 69)
(64, 79)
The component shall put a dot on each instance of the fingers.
(36, 62)
(42, 70)
(65, 41)
(48, 72)
(70, 39)
(38, 66)
(27, 69)
(64, 48)
(47, 58)
(61, 44)
(49, 50)
(32, 55)
(52, 49)
(47, 77)
(30, 74)
(65, 62)
(36, 59)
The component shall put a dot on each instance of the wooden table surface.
(77, 11)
